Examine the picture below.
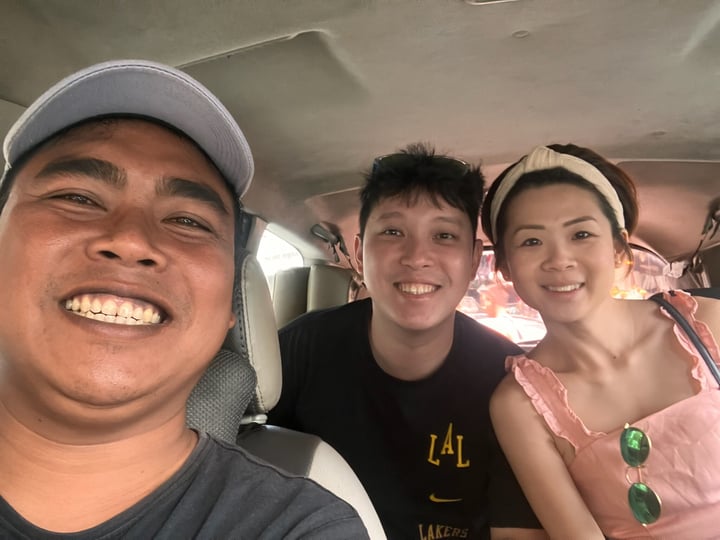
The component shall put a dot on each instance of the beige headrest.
(328, 286)
(260, 334)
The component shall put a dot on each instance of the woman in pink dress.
(612, 423)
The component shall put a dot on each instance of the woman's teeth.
(564, 288)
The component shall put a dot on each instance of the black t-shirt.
(221, 492)
(422, 449)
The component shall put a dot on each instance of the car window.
(275, 254)
(492, 301)
(650, 274)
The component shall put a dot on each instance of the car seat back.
(299, 290)
(243, 383)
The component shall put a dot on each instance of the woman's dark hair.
(619, 180)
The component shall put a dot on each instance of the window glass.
(650, 274)
(492, 301)
(275, 254)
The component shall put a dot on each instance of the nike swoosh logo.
(436, 499)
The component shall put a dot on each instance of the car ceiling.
(320, 87)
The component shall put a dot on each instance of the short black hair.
(417, 170)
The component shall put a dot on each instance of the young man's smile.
(417, 259)
(416, 288)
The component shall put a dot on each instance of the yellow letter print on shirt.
(452, 446)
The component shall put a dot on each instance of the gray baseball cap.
(142, 88)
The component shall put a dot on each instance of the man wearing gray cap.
(118, 212)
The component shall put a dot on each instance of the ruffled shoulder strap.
(549, 398)
(687, 306)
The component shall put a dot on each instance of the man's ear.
(358, 253)
(233, 320)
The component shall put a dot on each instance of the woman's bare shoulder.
(507, 389)
(509, 402)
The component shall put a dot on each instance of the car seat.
(307, 288)
(289, 293)
(243, 383)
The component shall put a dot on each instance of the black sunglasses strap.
(690, 332)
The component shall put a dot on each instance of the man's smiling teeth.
(111, 310)
(564, 288)
(416, 288)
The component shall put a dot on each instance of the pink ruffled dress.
(683, 467)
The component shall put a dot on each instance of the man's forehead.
(103, 129)
(414, 201)
(74, 151)
(99, 129)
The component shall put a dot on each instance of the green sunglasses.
(644, 502)
(401, 160)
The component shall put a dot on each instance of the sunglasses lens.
(393, 160)
(461, 168)
(634, 446)
(644, 503)
(400, 160)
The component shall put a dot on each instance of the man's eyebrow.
(90, 167)
(389, 215)
(189, 189)
(116, 177)
(450, 219)
(394, 214)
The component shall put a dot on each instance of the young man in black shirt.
(400, 383)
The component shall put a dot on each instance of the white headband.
(543, 158)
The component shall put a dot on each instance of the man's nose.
(130, 238)
(416, 253)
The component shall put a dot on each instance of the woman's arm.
(539, 467)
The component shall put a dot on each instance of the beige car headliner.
(320, 87)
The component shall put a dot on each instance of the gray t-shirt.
(221, 492)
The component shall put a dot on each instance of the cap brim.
(138, 87)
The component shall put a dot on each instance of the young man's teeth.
(112, 311)
(416, 288)
(564, 288)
